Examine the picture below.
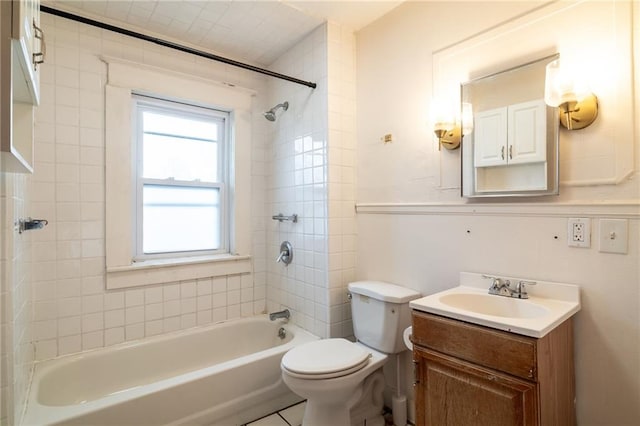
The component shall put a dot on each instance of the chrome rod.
(172, 45)
(280, 217)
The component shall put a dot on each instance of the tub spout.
(280, 314)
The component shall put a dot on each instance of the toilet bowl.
(342, 380)
(332, 375)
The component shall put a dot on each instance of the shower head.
(271, 114)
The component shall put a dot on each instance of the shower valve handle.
(286, 253)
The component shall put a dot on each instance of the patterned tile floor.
(291, 416)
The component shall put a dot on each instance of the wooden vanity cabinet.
(467, 374)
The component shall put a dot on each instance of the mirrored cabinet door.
(512, 149)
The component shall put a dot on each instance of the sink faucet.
(502, 287)
(280, 314)
(521, 291)
(499, 287)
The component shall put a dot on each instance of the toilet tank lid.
(385, 292)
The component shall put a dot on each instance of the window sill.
(160, 271)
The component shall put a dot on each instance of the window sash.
(143, 104)
(181, 216)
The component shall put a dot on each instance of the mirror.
(512, 146)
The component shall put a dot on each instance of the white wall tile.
(68, 345)
(113, 336)
(134, 297)
(134, 331)
(113, 301)
(154, 327)
(115, 318)
(170, 324)
(92, 340)
(69, 306)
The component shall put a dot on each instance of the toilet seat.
(325, 359)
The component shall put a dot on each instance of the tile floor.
(291, 416)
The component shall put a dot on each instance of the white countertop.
(555, 302)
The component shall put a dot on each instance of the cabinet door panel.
(451, 392)
(527, 132)
(490, 140)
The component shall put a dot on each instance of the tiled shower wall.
(16, 352)
(297, 183)
(72, 310)
(311, 173)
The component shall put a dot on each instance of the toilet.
(342, 380)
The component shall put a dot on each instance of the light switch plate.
(614, 236)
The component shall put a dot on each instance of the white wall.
(420, 235)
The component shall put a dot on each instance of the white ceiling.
(254, 31)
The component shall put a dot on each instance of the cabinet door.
(490, 138)
(527, 132)
(451, 392)
(28, 49)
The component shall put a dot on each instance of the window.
(181, 170)
(195, 175)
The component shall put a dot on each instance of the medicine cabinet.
(22, 50)
(512, 149)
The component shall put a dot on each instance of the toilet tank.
(380, 312)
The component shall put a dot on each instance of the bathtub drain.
(282, 333)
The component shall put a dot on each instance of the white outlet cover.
(586, 232)
(614, 236)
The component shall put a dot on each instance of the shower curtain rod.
(171, 45)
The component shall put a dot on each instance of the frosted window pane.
(155, 122)
(180, 219)
(167, 157)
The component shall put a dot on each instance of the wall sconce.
(566, 89)
(448, 135)
(447, 127)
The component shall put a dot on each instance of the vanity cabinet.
(466, 374)
(22, 50)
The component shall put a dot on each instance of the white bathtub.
(228, 373)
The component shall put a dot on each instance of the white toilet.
(341, 380)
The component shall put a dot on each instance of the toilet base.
(368, 410)
(324, 414)
(364, 407)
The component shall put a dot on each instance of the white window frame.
(124, 79)
(144, 103)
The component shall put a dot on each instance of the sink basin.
(497, 306)
(548, 305)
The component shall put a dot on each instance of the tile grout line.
(285, 420)
(276, 413)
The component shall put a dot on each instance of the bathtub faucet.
(280, 314)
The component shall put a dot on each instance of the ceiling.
(253, 31)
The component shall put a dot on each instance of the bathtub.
(227, 373)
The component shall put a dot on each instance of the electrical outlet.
(579, 232)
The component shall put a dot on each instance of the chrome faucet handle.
(521, 290)
(496, 281)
